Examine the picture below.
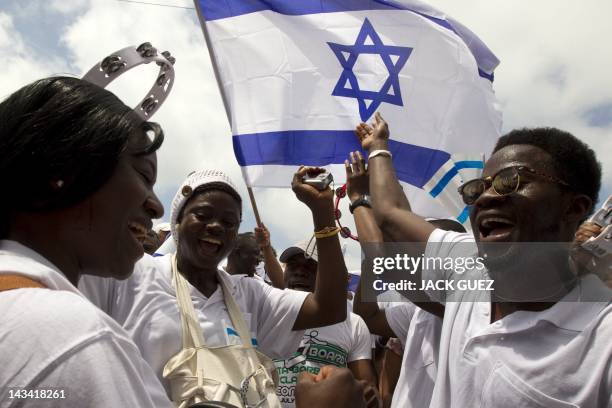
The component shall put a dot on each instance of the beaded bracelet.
(327, 232)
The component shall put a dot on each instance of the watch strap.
(363, 200)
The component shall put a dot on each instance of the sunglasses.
(504, 182)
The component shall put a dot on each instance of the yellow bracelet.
(327, 232)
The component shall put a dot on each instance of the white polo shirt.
(54, 339)
(145, 305)
(419, 332)
(560, 357)
(338, 344)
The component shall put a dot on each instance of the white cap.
(162, 226)
(307, 247)
(194, 181)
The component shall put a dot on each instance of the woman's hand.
(315, 199)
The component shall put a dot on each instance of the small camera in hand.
(601, 245)
(320, 181)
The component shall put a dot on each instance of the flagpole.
(224, 99)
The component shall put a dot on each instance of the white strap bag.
(236, 374)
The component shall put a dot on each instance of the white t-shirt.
(338, 345)
(54, 339)
(419, 332)
(145, 305)
(560, 357)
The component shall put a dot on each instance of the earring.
(57, 184)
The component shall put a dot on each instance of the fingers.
(348, 168)
(306, 377)
(297, 176)
(589, 228)
(356, 165)
(327, 371)
(363, 130)
(354, 160)
(586, 231)
(303, 171)
(358, 162)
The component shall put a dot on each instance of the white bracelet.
(380, 153)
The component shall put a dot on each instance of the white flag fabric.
(298, 76)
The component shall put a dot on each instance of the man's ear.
(578, 209)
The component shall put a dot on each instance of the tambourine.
(345, 232)
(119, 62)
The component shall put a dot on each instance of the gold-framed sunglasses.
(504, 182)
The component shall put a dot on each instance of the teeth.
(211, 241)
(487, 223)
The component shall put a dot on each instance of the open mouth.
(210, 245)
(139, 231)
(495, 228)
(300, 285)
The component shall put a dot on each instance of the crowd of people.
(94, 314)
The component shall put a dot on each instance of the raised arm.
(391, 208)
(327, 305)
(272, 267)
(371, 240)
(357, 186)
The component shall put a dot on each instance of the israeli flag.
(298, 76)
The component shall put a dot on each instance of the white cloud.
(67, 6)
(21, 64)
(554, 62)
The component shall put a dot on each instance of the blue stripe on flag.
(466, 164)
(490, 77)
(219, 9)
(464, 214)
(323, 147)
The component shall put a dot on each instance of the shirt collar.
(217, 295)
(227, 279)
(577, 309)
(16, 258)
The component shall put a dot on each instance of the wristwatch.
(363, 200)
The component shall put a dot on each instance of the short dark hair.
(62, 128)
(244, 240)
(573, 160)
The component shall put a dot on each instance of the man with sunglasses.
(542, 338)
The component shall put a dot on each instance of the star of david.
(394, 58)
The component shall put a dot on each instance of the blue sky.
(554, 72)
